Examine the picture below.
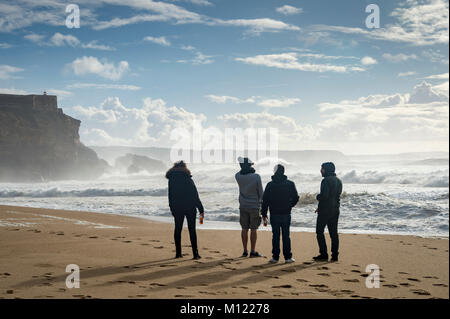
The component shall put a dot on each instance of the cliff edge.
(38, 142)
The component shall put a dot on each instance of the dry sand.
(134, 259)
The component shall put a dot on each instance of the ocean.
(381, 196)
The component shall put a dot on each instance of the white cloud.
(389, 120)
(35, 38)
(13, 91)
(160, 40)
(403, 74)
(120, 22)
(198, 59)
(8, 72)
(289, 131)
(290, 61)
(150, 124)
(60, 40)
(367, 60)
(60, 93)
(5, 45)
(257, 26)
(257, 100)
(425, 93)
(91, 65)
(420, 23)
(399, 57)
(104, 86)
(94, 45)
(289, 10)
(443, 76)
(197, 2)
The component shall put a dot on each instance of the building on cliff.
(38, 142)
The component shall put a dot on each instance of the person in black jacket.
(328, 212)
(280, 196)
(183, 202)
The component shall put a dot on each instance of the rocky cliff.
(38, 142)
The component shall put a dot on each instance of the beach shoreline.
(127, 257)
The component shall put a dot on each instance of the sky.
(135, 71)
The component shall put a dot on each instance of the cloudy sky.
(134, 72)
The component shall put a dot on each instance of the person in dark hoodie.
(280, 196)
(183, 202)
(328, 212)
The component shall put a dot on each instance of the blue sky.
(134, 72)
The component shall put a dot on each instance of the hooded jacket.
(330, 194)
(280, 196)
(250, 188)
(183, 195)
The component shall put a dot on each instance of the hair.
(278, 169)
(179, 166)
(329, 167)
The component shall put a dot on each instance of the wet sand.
(126, 257)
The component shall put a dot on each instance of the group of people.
(279, 197)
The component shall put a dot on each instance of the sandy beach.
(125, 257)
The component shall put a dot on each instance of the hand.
(316, 211)
(202, 215)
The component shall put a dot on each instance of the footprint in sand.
(351, 280)
(60, 233)
(10, 292)
(93, 237)
(270, 276)
(323, 274)
(145, 244)
(357, 271)
(430, 277)
(420, 292)
(405, 284)
(390, 286)
(160, 285)
(403, 273)
(414, 279)
(164, 265)
(440, 285)
(319, 286)
(307, 263)
(323, 268)
(159, 247)
(346, 291)
(283, 286)
(261, 291)
(301, 280)
(356, 265)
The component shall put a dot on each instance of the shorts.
(250, 218)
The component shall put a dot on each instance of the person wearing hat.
(183, 202)
(250, 197)
(280, 196)
(328, 212)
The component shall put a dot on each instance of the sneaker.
(273, 261)
(245, 253)
(178, 256)
(334, 258)
(254, 254)
(290, 261)
(321, 258)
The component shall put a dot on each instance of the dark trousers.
(283, 223)
(179, 220)
(330, 221)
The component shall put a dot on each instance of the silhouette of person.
(183, 202)
(328, 212)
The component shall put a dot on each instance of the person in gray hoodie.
(250, 197)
